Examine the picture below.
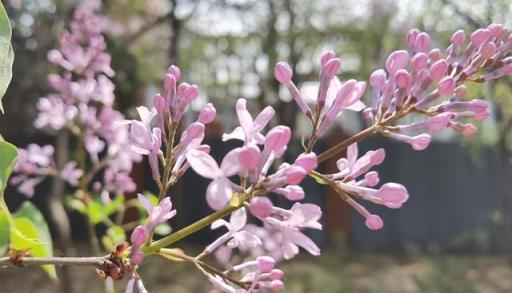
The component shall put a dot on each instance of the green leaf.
(6, 53)
(31, 212)
(96, 213)
(113, 206)
(4, 232)
(75, 204)
(8, 156)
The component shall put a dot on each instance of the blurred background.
(454, 234)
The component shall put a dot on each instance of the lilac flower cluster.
(82, 104)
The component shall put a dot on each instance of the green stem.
(180, 234)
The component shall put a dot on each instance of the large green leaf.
(30, 211)
(6, 53)
(8, 156)
(4, 232)
(32, 234)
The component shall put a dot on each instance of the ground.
(331, 273)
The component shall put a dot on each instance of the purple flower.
(250, 130)
(235, 237)
(220, 190)
(157, 214)
(70, 173)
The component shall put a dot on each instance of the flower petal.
(238, 220)
(145, 202)
(218, 193)
(244, 117)
(246, 239)
(262, 119)
(303, 241)
(231, 163)
(203, 164)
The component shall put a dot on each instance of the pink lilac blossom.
(83, 104)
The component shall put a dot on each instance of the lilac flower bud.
(479, 36)
(460, 91)
(467, 129)
(488, 50)
(434, 54)
(331, 67)
(458, 38)
(423, 42)
(261, 206)
(207, 114)
(278, 137)
(191, 92)
(139, 235)
(307, 161)
(291, 192)
(295, 175)
(446, 86)
(266, 263)
(277, 286)
(372, 178)
(159, 103)
(283, 72)
(137, 257)
(411, 36)
(419, 61)
(374, 222)
(497, 30)
(249, 157)
(439, 122)
(276, 274)
(403, 78)
(55, 56)
(174, 71)
(397, 60)
(420, 142)
(327, 56)
(438, 69)
(378, 79)
(478, 105)
(378, 156)
(169, 83)
(393, 192)
(194, 130)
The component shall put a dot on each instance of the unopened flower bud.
(249, 157)
(327, 56)
(261, 206)
(374, 222)
(438, 69)
(207, 114)
(276, 274)
(419, 61)
(174, 71)
(307, 161)
(277, 286)
(139, 235)
(479, 36)
(397, 60)
(403, 78)
(446, 86)
(295, 175)
(393, 192)
(137, 257)
(411, 36)
(458, 37)
(266, 263)
(423, 42)
(283, 72)
(331, 67)
(278, 138)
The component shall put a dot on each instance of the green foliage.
(28, 229)
(6, 53)
(96, 211)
